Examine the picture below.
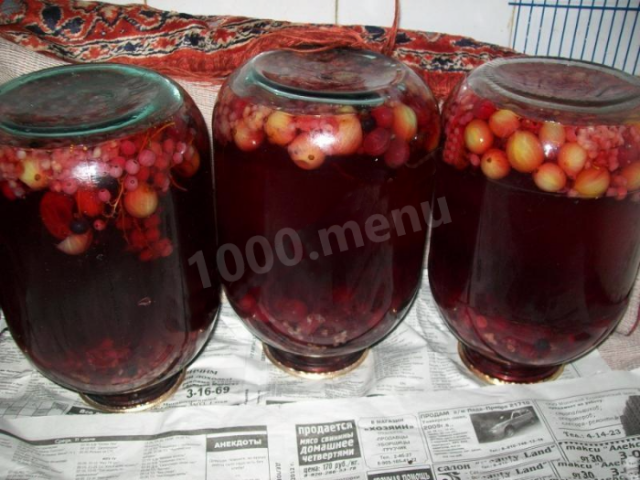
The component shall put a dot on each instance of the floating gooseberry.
(76, 244)
(247, 139)
(503, 123)
(478, 137)
(348, 137)
(280, 128)
(142, 202)
(524, 151)
(494, 164)
(549, 177)
(632, 174)
(190, 166)
(572, 158)
(592, 182)
(552, 136)
(33, 175)
(405, 122)
(305, 152)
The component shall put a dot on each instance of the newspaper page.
(420, 356)
(571, 429)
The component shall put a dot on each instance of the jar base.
(314, 368)
(137, 401)
(499, 373)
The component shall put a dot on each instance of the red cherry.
(89, 203)
(383, 116)
(397, 154)
(377, 142)
(56, 211)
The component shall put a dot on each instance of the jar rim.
(560, 89)
(84, 103)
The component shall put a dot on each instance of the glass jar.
(106, 197)
(323, 169)
(541, 175)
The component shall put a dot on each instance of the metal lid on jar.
(84, 103)
(339, 77)
(568, 91)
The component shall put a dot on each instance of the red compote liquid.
(346, 141)
(101, 207)
(537, 265)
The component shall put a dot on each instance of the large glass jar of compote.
(541, 175)
(106, 196)
(324, 166)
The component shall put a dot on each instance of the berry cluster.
(578, 161)
(391, 131)
(117, 181)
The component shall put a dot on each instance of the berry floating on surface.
(592, 183)
(503, 123)
(572, 158)
(549, 177)
(494, 164)
(142, 202)
(305, 153)
(524, 151)
(478, 137)
(405, 122)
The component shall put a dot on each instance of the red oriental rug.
(201, 48)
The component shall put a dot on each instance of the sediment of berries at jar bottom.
(541, 175)
(323, 166)
(105, 195)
